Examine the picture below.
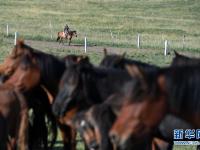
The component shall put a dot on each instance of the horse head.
(113, 61)
(72, 87)
(27, 74)
(12, 60)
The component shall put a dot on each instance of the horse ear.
(105, 52)
(135, 71)
(18, 47)
(82, 58)
(124, 54)
(176, 53)
(20, 42)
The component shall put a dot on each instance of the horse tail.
(58, 36)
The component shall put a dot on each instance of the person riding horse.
(66, 30)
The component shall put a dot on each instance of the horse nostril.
(93, 145)
(114, 138)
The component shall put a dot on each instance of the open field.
(155, 20)
(113, 24)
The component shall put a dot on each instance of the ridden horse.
(173, 90)
(70, 34)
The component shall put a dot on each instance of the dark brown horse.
(165, 129)
(84, 85)
(62, 36)
(152, 95)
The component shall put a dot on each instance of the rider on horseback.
(66, 30)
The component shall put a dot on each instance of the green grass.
(154, 20)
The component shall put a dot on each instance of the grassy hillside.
(107, 22)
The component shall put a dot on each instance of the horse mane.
(182, 84)
(118, 61)
(181, 87)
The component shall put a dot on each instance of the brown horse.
(14, 112)
(152, 95)
(26, 76)
(51, 69)
(62, 36)
(13, 106)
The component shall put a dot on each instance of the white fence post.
(85, 44)
(138, 41)
(16, 35)
(183, 41)
(50, 26)
(7, 32)
(166, 48)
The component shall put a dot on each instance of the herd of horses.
(121, 104)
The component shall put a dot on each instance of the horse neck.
(52, 70)
(183, 90)
(107, 81)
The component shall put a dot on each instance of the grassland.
(107, 23)
(155, 20)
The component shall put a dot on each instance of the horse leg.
(70, 41)
(3, 134)
(69, 137)
(58, 38)
(23, 125)
(53, 122)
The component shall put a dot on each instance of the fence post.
(7, 32)
(16, 35)
(85, 44)
(50, 26)
(183, 41)
(166, 48)
(138, 41)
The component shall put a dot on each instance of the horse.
(79, 86)
(70, 34)
(14, 119)
(93, 126)
(51, 69)
(83, 85)
(13, 106)
(173, 89)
